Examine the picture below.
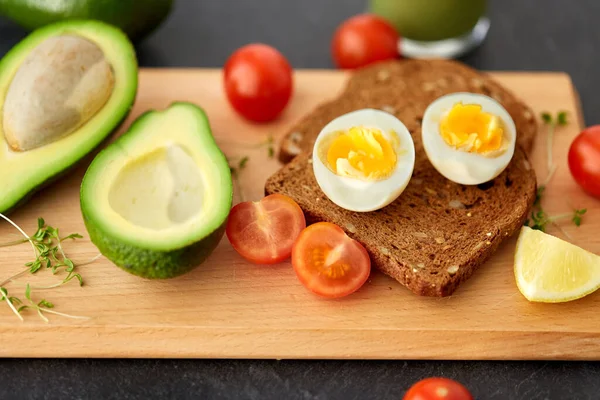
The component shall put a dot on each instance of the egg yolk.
(468, 128)
(362, 153)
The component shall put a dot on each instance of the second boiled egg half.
(469, 138)
(363, 160)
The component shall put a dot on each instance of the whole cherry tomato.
(362, 40)
(438, 389)
(584, 160)
(258, 82)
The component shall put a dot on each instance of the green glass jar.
(435, 21)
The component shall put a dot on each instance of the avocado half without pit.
(155, 201)
(63, 90)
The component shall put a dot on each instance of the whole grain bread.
(435, 235)
(408, 81)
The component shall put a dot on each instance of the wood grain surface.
(229, 308)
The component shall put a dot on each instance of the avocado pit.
(60, 86)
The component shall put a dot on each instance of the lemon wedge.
(550, 270)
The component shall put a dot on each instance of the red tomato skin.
(258, 82)
(363, 40)
(584, 160)
(236, 223)
(438, 389)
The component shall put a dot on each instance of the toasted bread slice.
(407, 81)
(435, 235)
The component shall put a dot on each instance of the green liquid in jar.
(430, 20)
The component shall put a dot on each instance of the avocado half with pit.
(155, 201)
(63, 90)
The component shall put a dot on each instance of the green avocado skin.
(152, 264)
(84, 159)
(137, 18)
(126, 251)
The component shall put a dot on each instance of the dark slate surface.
(555, 35)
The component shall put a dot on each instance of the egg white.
(361, 195)
(457, 165)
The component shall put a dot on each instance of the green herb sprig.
(237, 164)
(235, 174)
(268, 143)
(560, 119)
(539, 219)
(49, 254)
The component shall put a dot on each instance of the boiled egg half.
(363, 160)
(469, 138)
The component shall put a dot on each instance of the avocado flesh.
(24, 172)
(137, 18)
(155, 202)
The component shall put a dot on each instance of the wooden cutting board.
(228, 308)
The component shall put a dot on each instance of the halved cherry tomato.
(264, 232)
(437, 389)
(328, 262)
(362, 40)
(584, 160)
(258, 82)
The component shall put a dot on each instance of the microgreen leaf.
(45, 303)
(270, 147)
(35, 266)
(15, 300)
(561, 118)
(53, 252)
(243, 162)
(48, 253)
(72, 236)
(538, 195)
(79, 278)
(538, 220)
(52, 232)
(546, 117)
(577, 214)
(28, 292)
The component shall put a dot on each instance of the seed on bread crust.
(383, 75)
(388, 109)
(453, 269)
